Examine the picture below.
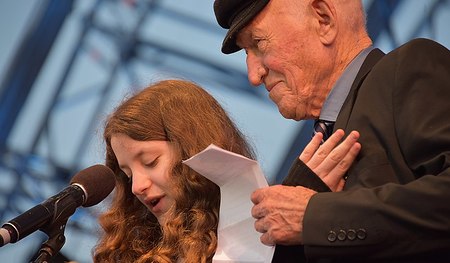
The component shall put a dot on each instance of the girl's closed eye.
(125, 174)
(153, 163)
(129, 177)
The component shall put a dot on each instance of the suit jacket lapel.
(344, 115)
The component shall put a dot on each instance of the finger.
(347, 161)
(257, 196)
(334, 140)
(258, 211)
(334, 177)
(311, 148)
(325, 149)
(336, 156)
(259, 225)
(340, 186)
(266, 239)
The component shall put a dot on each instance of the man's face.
(285, 54)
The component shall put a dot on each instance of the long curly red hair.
(184, 114)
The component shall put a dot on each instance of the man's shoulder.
(420, 46)
(419, 54)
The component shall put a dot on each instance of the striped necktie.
(324, 127)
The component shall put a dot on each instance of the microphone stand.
(54, 243)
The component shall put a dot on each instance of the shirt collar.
(333, 104)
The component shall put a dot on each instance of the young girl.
(162, 210)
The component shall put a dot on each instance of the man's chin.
(291, 114)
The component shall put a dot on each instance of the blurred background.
(65, 64)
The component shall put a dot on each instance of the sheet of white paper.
(237, 177)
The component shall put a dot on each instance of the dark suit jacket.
(395, 206)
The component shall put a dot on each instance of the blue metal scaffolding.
(118, 47)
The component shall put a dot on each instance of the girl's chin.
(161, 218)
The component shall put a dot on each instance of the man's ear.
(326, 26)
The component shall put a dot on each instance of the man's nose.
(255, 69)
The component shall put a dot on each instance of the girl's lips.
(155, 204)
(158, 207)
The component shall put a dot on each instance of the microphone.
(87, 188)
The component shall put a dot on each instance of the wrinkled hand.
(279, 212)
(331, 162)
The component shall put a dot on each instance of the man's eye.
(260, 44)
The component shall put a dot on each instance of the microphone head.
(97, 181)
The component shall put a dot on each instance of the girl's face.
(148, 165)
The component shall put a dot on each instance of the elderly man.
(316, 61)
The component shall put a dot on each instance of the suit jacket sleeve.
(396, 200)
(299, 175)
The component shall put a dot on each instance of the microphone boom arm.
(61, 209)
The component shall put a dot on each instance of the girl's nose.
(140, 183)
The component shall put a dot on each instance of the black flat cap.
(235, 15)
